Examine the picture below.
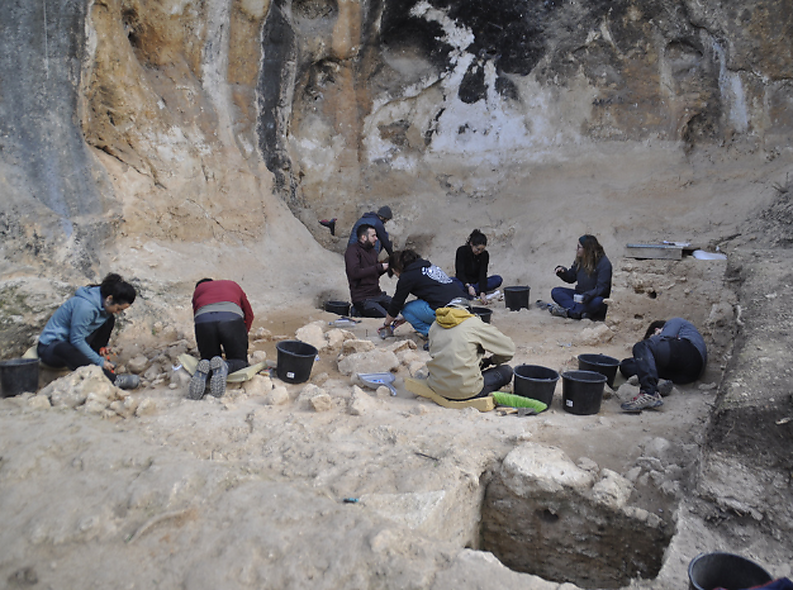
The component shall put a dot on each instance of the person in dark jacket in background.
(377, 219)
(363, 275)
(432, 287)
(591, 271)
(78, 331)
(223, 317)
(671, 350)
(470, 268)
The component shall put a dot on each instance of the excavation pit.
(546, 516)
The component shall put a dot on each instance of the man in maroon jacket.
(223, 318)
(363, 275)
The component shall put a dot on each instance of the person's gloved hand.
(586, 298)
(485, 363)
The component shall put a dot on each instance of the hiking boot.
(643, 401)
(127, 381)
(557, 310)
(665, 387)
(220, 371)
(198, 383)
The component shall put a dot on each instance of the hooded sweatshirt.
(426, 281)
(458, 342)
(76, 320)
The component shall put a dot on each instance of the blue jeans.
(420, 315)
(493, 283)
(564, 297)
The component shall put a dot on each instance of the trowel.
(375, 380)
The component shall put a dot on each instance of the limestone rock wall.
(179, 119)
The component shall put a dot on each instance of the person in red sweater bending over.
(223, 317)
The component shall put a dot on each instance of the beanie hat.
(384, 212)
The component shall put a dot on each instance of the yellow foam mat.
(420, 388)
(190, 363)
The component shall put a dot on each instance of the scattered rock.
(258, 356)
(278, 396)
(360, 403)
(137, 364)
(146, 407)
(374, 361)
(600, 333)
(258, 386)
(354, 346)
(312, 334)
(613, 490)
(321, 402)
(39, 402)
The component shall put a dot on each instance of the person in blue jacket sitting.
(591, 272)
(81, 327)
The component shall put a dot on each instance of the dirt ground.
(375, 491)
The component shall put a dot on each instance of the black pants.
(374, 307)
(60, 354)
(231, 337)
(495, 379)
(674, 359)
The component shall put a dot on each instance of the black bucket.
(516, 298)
(484, 313)
(338, 307)
(18, 376)
(725, 570)
(582, 392)
(535, 382)
(295, 359)
(599, 363)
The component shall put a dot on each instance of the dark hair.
(117, 288)
(205, 280)
(362, 229)
(477, 238)
(400, 260)
(592, 253)
(651, 329)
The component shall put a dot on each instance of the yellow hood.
(449, 317)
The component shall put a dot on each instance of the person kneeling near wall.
(458, 344)
(223, 317)
(81, 328)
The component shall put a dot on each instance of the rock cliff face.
(175, 119)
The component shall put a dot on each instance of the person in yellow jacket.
(458, 343)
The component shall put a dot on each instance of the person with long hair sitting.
(591, 272)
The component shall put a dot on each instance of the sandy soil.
(240, 493)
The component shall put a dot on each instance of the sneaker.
(127, 381)
(557, 310)
(198, 383)
(542, 304)
(665, 387)
(643, 401)
(220, 371)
